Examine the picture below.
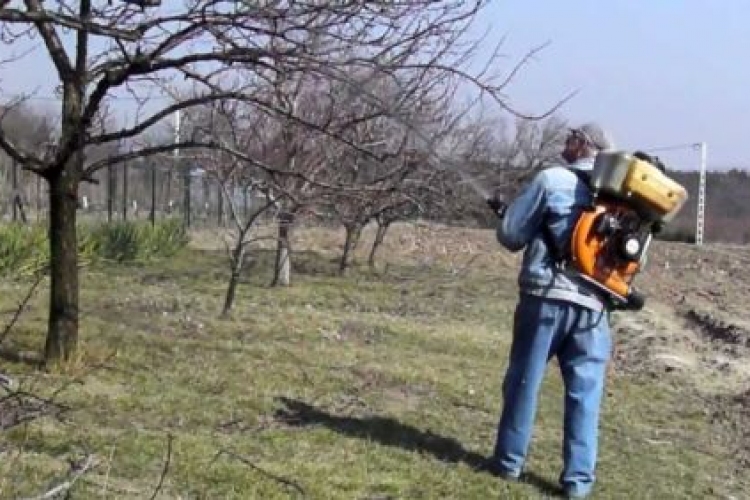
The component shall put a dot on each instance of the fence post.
(186, 201)
(152, 215)
(220, 201)
(125, 191)
(110, 192)
(38, 198)
(14, 181)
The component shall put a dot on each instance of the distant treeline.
(727, 209)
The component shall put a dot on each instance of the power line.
(694, 145)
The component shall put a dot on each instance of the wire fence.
(137, 191)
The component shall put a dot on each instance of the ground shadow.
(27, 357)
(391, 432)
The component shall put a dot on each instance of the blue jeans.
(580, 339)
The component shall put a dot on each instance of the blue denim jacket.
(555, 197)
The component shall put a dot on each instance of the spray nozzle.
(496, 203)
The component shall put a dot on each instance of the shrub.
(23, 248)
(26, 248)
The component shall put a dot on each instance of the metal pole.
(125, 191)
(38, 198)
(187, 194)
(110, 192)
(186, 174)
(14, 196)
(152, 215)
(220, 201)
(701, 197)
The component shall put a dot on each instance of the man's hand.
(497, 205)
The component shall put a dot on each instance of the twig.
(109, 468)
(66, 485)
(121, 490)
(164, 470)
(280, 479)
(39, 277)
(464, 270)
(27, 407)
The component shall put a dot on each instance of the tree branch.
(51, 39)
(282, 480)
(165, 469)
(143, 65)
(21, 157)
(15, 16)
(66, 485)
(164, 113)
(39, 277)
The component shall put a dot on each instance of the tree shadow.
(390, 432)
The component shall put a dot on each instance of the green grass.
(360, 387)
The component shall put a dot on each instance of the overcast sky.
(656, 73)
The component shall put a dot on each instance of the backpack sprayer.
(633, 199)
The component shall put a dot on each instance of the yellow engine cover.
(652, 189)
(639, 183)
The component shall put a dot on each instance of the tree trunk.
(379, 238)
(62, 333)
(237, 262)
(283, 266)
(353, 233)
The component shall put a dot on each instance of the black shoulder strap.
(582, 175)
(559, 255)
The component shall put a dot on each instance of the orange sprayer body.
(595, 256)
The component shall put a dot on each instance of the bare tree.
(424, 187)
(413, 102)
(241, 128)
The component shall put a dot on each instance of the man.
(558, 314)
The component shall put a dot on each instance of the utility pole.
(700, 219)
(701, 196)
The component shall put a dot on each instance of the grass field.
(376, 385)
